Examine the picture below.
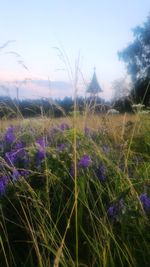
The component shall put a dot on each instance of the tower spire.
(94, 88)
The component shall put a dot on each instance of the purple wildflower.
(112, 211)
(21, 153)
(145, 201)
(18, 173)
(40, 155)
(64, 126)
(3, 184)
(72, 171)
(100, 173)
(53, 131)
(41, 142)
(18, 145)
(61, 147)
(11, 157)
(9, 136)
(24, 173)
(85, 161)
(15, 175)
(16, 156)
(115, 209)
(87, 131)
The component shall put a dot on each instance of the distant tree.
(121, 88)
(137, 59)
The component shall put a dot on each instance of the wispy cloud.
(29, 88)
(4, 45)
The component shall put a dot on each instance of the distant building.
(94, 88)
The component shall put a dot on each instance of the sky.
(46, 40)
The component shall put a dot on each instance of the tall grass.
(56, 219)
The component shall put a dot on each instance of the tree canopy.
(137, 59)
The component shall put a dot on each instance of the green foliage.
(137, 59)
(137, 54)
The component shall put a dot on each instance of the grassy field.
(75, 191)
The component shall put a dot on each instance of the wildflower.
(53, 132)
(64, 126)
(16, 156)
(100, 173)
(86, 131)
(115, 209)
(18, 159)
(15, 175)
(40, 155)
(41, 142)
(145, 200)
(3, 184)
(11, 157)
(18, 173)
(9, 136)
(61, 147)
(24, 173)
(85, 161)
(112, 211)
(18, 145)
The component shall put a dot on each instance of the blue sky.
(94, 29)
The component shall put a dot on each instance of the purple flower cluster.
(17, 157)
(52, 134)
(16, 154)
(3, 184)
(18, 173)
(9, 136)
(86, 131)
(41, 142)
(64, 126)
(115, 209)
(61, 147)
(84, 162)
(41, 153)
(53, 131)
(145, 200)
(100, 173)
(15, 175)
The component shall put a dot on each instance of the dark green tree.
(137, 59)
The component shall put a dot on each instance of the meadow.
(75, 191)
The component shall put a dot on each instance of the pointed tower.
(94, 88)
